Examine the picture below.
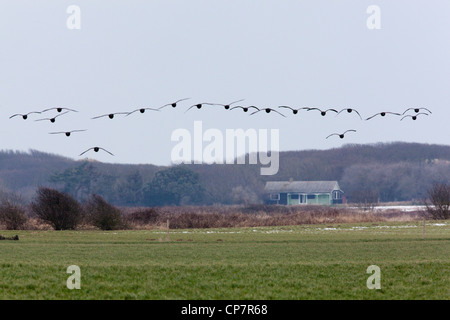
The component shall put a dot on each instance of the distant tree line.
(177, 185)
(403, 181)
(366, 173)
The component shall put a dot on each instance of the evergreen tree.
(174, 186)
(129, 192)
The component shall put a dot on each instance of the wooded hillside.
(384, 172)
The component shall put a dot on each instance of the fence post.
(423, 229)
(168, 230)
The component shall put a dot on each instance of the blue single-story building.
(303, 192)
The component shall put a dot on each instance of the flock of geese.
(412, 113)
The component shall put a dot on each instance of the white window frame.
(275, 194)
(337, 195)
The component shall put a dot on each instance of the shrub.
(56, 208)
(103, 215)
(12, 212)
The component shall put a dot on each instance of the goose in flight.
(384, 114)
(25, 115)
(294, 111)
(110, 115)
(245, 109)
(228, 105)
(52, 120)
(67, 133)
(416, 110)
(96, 149)
(267, 110)
(350, 110)
(414, 117)
(173, 104)
(141, 110)
(341, 135)
(323, 112)
(200, 105)
(59, 109)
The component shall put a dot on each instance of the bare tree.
(244, 195)
(439, 196)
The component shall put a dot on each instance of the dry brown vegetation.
(254, 216)
(186, 217)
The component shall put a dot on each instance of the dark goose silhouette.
(349, 110)
(414, 116)
(341, 135)
(416, 110)
(25, 115)
(200, 105)
(109, 115)
(267, 110)
(52, 119)
(323, 112)
(96, 149)
(141, 110)
(294, 111)
(245, 109)
(173, 104)
(59, 109)
(383, 114)
(227, 106)
(67, 133)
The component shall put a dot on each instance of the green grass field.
(292, 262)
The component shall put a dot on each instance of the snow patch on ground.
(401, 208)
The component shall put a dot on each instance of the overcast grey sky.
(131, 54)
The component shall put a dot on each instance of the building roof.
(301, 186)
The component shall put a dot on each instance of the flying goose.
(25, 115)
(245, 109)
(341, 135)
(200, 105)
(414, 117)
(294, 111)
(349, 110)
(384, 114)
(323, 112)
(416, 110)
(110, 115)
(52, 119)
(173, 104)
(267, 110)
(228, 105)
(141, 110)
(96, 149)
(67, 133)
(59, 109)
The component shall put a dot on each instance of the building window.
(295, 196)
(275, 196)
(302, 198)
(337, 195)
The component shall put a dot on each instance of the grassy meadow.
(278, 262)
